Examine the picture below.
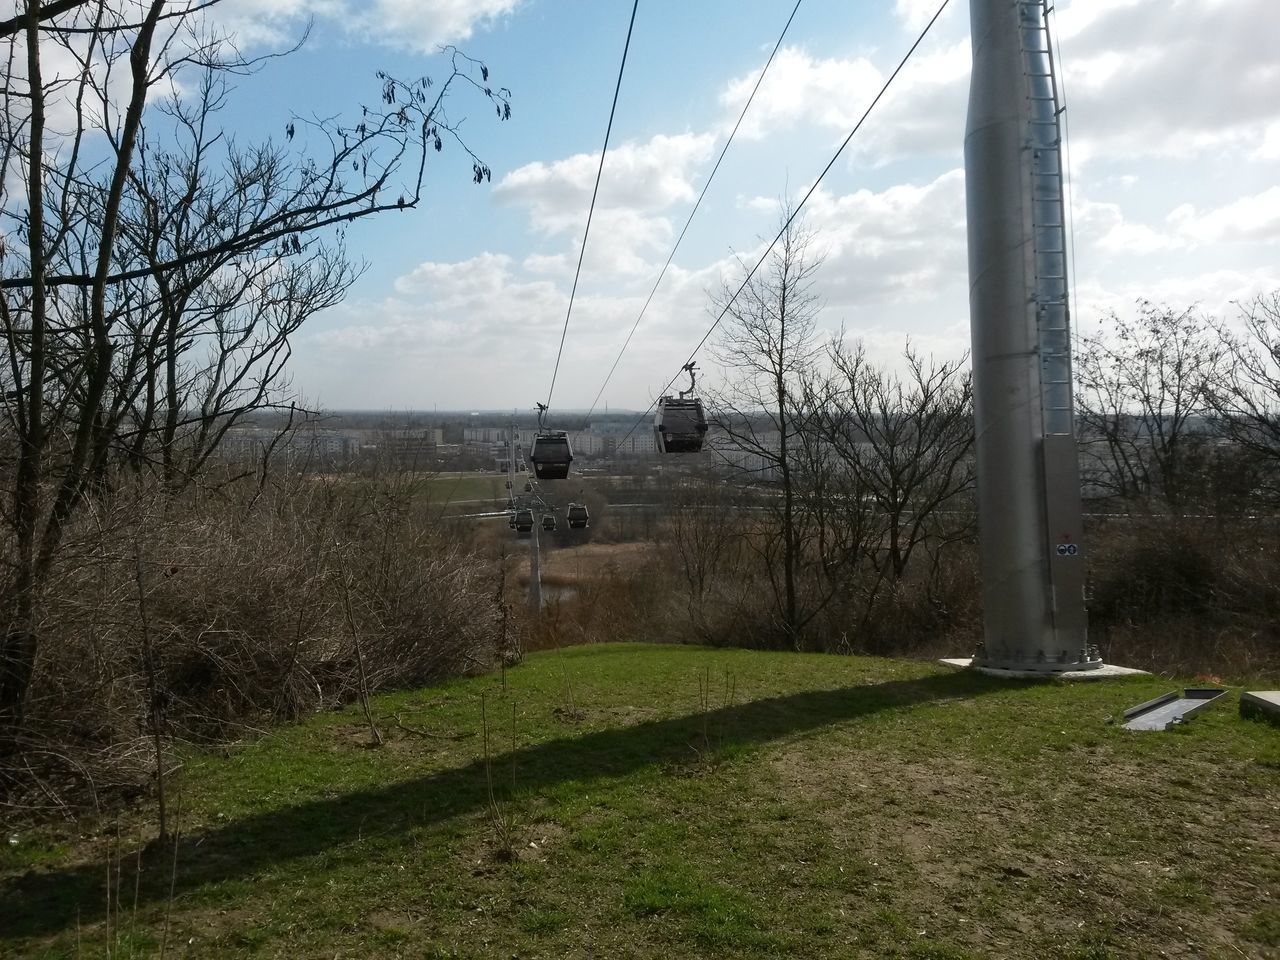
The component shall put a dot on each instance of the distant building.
(620, 438)
(411, 448)
(757, 456)
(483, 436)
(249, 444)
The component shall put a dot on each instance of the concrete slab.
(1170, 709)
(1105, 672)
(1261, 703)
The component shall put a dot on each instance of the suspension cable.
(697, 203)
(795, 213)
(595, 190)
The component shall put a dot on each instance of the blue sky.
(1175, 139)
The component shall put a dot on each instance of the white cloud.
(1255, 219)
(548, 263)
(922, 112)
(454, 283)
(469, 308)
(480, 331)
(272, 23)
(1137, 239)
(1103, 226)
(641, 177)
(900, 245)
(915, 13)
(1194, 79)
(628, 231)
(421, 25)
(802, 89)
(889, 256)
(1198, 78)
(1269, 148)
(1215, 292)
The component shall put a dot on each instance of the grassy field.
(466, 487)
(652, 801)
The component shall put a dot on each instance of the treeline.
(848, 522)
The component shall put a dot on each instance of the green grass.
(834, 807)
(455, 487)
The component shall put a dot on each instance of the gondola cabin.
(679, 425)
(551, 455)
(524, 521)
(549, 521)
(577, 516)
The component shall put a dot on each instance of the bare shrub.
(244, 604)
(1187, 595)
(609, 603)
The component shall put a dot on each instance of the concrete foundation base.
(1105, 672)
(1261, 703)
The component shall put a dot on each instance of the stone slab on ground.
(1261, 703)
(1105, 672)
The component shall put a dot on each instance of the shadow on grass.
(46, 902)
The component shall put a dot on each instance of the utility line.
(696, 205)
(796, 212)
(595, 190)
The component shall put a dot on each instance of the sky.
(1173, 114)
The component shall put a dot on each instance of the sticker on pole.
(1068, 549)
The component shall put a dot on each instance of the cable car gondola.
(577, 516)
(680, 424)
(550, 453)
(524, 521)
(549, 521)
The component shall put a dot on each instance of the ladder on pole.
(1044, 142)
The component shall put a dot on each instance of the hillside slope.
(684, 802)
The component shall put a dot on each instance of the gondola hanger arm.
(690, 368)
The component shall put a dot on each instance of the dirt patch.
(531, 842)
(1105, 845)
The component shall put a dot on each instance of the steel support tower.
(535, 547)
(1029, 511)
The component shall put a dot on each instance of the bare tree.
(1246, 396)
(767, 345)
(703, 530)
(839, 527)
(153, 270)
(908, 440)
(1143, 391)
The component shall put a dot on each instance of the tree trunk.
(18, 652)
(790, 617)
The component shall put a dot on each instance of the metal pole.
(535, 571)
(511, 463)
(535, 552)
(1029, 509)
